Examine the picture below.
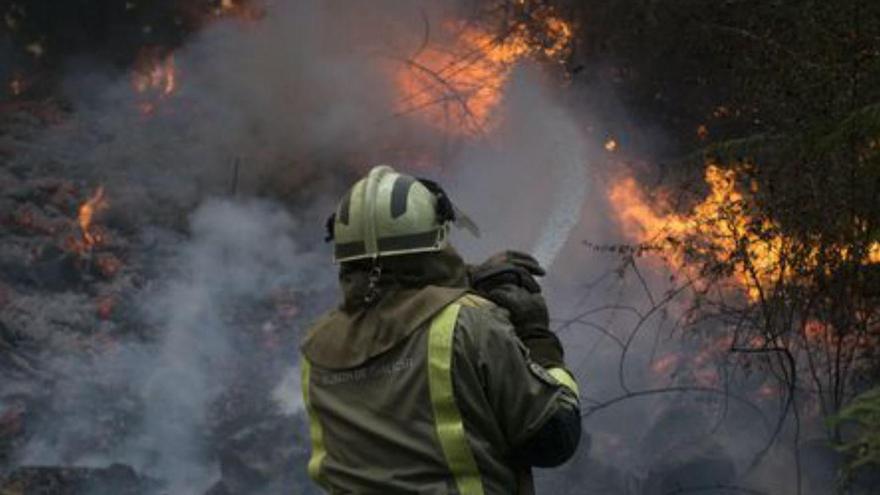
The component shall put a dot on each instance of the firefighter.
(431, 376)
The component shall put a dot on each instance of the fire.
(154, 78)
(815, 331)
(104, 306)
(716, 223)
(720, 228)
(702, 132)
(243, 10)
(108, 265)
(458, 85)
(87, 211)
(160, 76)
(611, 145)
(665, 364)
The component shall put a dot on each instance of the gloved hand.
(507, 267)
(508, 280)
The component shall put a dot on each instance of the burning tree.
(106, 257)
(773, 245)
(457, 84)
(779, 254)
(770, 226)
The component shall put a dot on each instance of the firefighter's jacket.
(429, 391)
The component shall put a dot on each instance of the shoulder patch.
(542, 374)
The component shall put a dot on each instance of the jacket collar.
(410, 290)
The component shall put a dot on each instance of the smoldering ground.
(302, 102)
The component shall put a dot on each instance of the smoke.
(236, 251)
(303, 101)
(526, 186)
(290, 109)
(287, 108)
(293, 98)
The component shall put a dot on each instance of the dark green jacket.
(428, 390)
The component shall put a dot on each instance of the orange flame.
(718, 224)
(159, 76)
(86, 215)
(458, 85)
(154, 78)
(719, 227)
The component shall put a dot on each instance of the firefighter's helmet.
(388, 213)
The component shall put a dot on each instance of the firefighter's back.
(377, 423)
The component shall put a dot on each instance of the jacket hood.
(410, 290)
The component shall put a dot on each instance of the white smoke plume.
(236, 251)
(303, 102)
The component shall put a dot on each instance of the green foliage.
(862, 452)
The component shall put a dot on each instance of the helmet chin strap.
(372, 294)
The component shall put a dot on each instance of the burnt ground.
(68, 308)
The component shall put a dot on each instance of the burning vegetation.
(758, 293)
(84, 314)
(457, 84)
(86, 215)
(154, 78)
(723, 233)
(774, 251)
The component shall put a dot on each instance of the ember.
(240, 9)
(665, 364)
(87, 211)
(108, 265)
(104, 307)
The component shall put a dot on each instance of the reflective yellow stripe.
(450, 429)
(564, 377)
(318, 451)
(474, 301)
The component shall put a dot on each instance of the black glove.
(508, 280)
(507, 267)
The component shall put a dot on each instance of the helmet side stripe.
(345, 209)
(399, 195)
(369, 208)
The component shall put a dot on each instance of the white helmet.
(388, 213)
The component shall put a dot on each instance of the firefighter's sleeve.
(537, 409)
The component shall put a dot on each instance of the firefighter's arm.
(508, 279)
(536, 408)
